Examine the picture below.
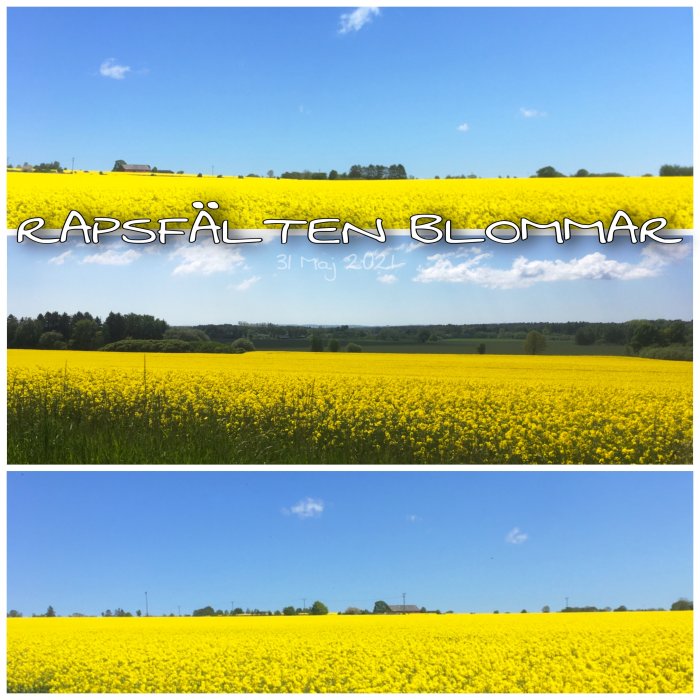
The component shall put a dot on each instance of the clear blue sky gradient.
(85, 542)
(247, 90)
(301, 282)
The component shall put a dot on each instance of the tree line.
(356, 172)
(80, 331)
(144, 333)
(664, 171)
(319, 608)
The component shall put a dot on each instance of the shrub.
(148, 346)
(242, 345)
(353, 347)
(51, 340)
(670, 352)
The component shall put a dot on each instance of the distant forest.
(666, 339)
(319, 608)
(362, 172)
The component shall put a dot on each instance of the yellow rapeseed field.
(540, 653)
(246, 202)
(342, 408)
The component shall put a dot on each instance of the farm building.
(128, 168)
(404, 609)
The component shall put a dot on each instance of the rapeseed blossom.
(247, 202)
(631, 652)
(346, 408)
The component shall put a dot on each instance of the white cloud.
(532, 113)
(60, 259)
(355, 20)
(205, 260)
(516, 536)
(413, 518)
(463, 127)
(387, 279)
(306, 508)
(111, 257)
(110, 69)
(247, 284)
(404, 248)
(658, 255)
(525, 273)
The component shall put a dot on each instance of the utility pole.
(304, 608)
(567, 601)
(178, 611)
(231, 607)
(212, 171)
(146, 603)
(404, 602)
(72, 165)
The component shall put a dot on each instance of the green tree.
(333, 345)
(115, 326)
(675, 332)
(353, 347)
(584, 336)
(189, 335)
(50, 612)
(380, 607)
(535, 343)
(645, 334)
(84, 335)
(682, 604)
(118, 166)
(12, 324)
(27, 333)
(243, 345)
(582, 172)
(207, 611)
(481, 348)
(316, 343)
(14, 613)
(423, 335)
(318, 608)
(548, 171)
(289, 610)
(675, 170)
(546, 609)
(51, 340)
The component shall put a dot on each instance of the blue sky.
(493, 91)
(467, 541)
(364, 282)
